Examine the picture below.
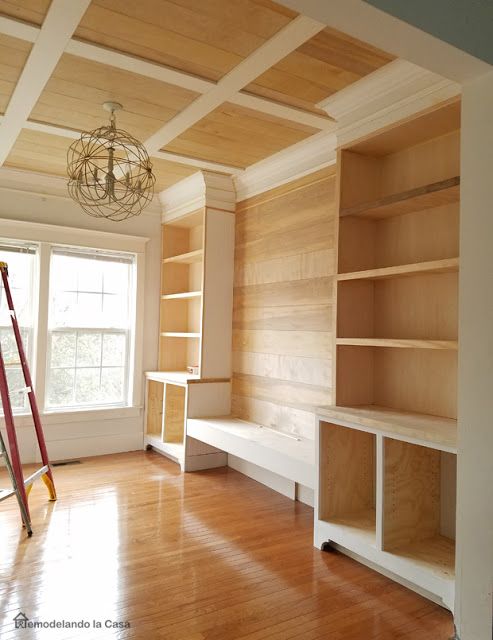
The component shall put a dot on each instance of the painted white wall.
(474, 601)
(100, 432)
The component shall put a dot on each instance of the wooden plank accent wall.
(283, 297)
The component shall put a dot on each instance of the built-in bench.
(289, 456)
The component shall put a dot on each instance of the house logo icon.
(21, 620)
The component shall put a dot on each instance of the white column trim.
(59, 25)
(198, 190)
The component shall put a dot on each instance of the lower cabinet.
(391, 502)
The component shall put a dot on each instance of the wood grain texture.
(347, 472)
(174, 413)
(325, 64)
(13, 56)
(282, 303)
(33, 11)
(204, 38)
(46, 153)
(238, 136)
(154, 408)
(411, 493)
(157, 540)
(74, 95)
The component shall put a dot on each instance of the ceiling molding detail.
(299, 160)
(48, 186)
(286, 40)
(60, 23)
(202, 189)
(162, 73)
(398, 90)
(198, 163)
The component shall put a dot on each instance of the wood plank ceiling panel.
(74, 95)
(238, 136)
(13, 56)
(33, 11)
(46, 153)
(325, 64)
(204, 38)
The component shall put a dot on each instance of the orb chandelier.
(110, 174)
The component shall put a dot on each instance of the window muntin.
(90, 329)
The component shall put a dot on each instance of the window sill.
(76, 415)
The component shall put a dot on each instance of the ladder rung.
(21, 390)
(34, 476)
(6, 493)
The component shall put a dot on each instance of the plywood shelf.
(397, 343)
(428, 196)
(433, 431)
(436, 555)
(186, 258)
(361, 524)
(179, 334)
(419, 268)
(182, 296)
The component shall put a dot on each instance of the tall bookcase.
(196, 300)
(387, 448)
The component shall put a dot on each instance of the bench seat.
(290, 457)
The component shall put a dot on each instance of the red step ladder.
(20, 486)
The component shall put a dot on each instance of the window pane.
(113, 350)
(63, 349)
(88, 349)
(90, 323)
(15, 380)
(112, 383)
(87, 385)
(61, 388)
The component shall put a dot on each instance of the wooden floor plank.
(205, 556)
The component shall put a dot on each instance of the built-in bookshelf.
(388, 445)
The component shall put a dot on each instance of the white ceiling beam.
(161, 155)
(103, 55)
(18, 29)
(289, 38)
(59, 25)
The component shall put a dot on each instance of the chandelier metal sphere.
(110, 174)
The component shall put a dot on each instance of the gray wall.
(466, 24)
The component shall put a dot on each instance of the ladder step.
(6, 493)
(21, 390)
(34, 476)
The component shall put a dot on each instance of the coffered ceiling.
(220, 84)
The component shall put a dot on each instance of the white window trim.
(46, 236)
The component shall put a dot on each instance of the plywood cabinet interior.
(196, 293)
(389, 442)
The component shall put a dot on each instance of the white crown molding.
(394, 92)
(202, 189)
(301, 159)
(47, 186)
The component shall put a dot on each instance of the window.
(22, 262)
(91, 317)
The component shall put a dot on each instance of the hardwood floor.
(204, 556)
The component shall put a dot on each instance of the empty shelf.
(397, 343)
(186, 258)
(179, 334)
(182, 296)
(435, 431)
(431, 266)
(418, 199)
